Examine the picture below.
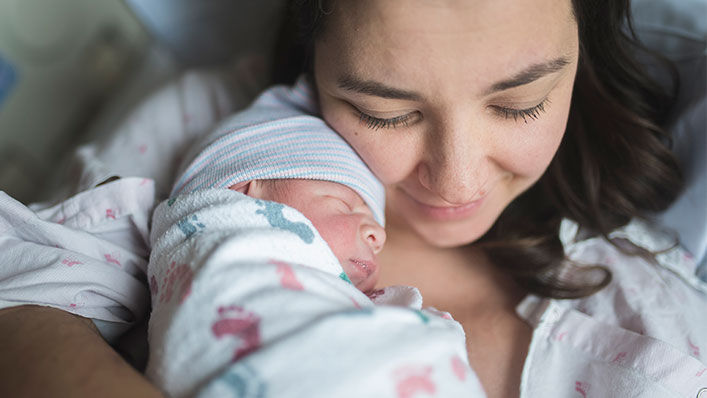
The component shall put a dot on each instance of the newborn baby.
(340, 216)
(260, 261)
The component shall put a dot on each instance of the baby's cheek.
(340, 235)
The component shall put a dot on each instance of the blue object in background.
(210, 32)
(8, 77)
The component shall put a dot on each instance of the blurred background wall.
(59, 60)
(63, 62)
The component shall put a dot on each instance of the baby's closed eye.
(340, 203)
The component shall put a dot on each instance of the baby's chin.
(368, 285)
(362, 273)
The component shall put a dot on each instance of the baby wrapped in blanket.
(258, 290)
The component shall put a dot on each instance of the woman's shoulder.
(657, 296)
(646, 326)
(663, 257)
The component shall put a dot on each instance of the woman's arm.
(49, 351)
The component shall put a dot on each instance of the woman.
(460, 109)
(489, 122)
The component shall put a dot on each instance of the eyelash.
(532, 113)
(376, 123)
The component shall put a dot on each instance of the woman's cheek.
(531, 150)
(530, 147)
(542, 147)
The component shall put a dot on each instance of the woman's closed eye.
(376, 123)
(532, 113)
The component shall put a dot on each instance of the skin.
(50, 352)
(457, 152)
(340, 216)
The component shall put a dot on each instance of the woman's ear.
(242, 187)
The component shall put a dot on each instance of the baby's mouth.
(364, 274)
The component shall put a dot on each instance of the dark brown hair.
(613, 164)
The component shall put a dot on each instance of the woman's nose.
(457, 167)
(374, 236)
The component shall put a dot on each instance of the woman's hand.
(49, 352)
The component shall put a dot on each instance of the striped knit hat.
(278, 137)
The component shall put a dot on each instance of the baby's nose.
(374, 236)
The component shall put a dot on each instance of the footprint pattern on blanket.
(288, 279)
(412, 380)
(582, 388)
(190, 226)
(237, 322)
(459, 368)
(178, 280)
(273, 212)
(345, 277)
(239, 381)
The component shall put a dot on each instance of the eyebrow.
(370, 87)
(530, 74)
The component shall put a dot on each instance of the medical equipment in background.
(59, 61)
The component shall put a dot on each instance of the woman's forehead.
(478, 41)
(443, 17)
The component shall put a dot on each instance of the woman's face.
(457, 106)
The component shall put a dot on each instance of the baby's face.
(342, 218)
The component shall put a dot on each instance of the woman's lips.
(363, 274)
(447, 213)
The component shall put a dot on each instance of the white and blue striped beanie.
(278, 137)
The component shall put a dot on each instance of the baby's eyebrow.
(348, 195)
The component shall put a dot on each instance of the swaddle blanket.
(244, 289)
